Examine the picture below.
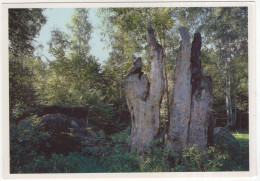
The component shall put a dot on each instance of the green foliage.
(193, 160)
(29, 145)
(26, 85)
(75, 78)
(81, 32)
(120, 160)
(156, 160)
(24, 25)
(27, 140)
(74, 162)
(100, 111)
(243, 155)
(121, 137)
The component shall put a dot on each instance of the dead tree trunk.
(201, 99)
(181, 97)
(192, 98)
(144, 97)
(201, 107)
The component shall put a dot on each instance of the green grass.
(243, 139)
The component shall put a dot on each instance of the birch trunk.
(228, 96)
(144, 97)
(234, 116)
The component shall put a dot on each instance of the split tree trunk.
(201, 99)
(192, 98)
(144, 97)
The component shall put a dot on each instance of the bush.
(120, 160)
(30, 153)
(116, 157)
(192, 159)
(156, 159)
(159, 159)
(27, 141)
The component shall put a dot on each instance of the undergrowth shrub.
(28, 145)
(155, 159)
(120, 160)
(194, 160)
(27, 140)
(159, 159)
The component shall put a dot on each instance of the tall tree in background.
(24, 27)
(124, 50)
(73, 63)
(76, 77)
(129, 25)
(225, 42)
(227, 28)
(81, 32)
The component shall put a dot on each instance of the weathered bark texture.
(192, 98)
(202, 98)
(181, 98)
(144, 97)
(201, 107)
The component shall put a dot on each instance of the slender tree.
(24, 27)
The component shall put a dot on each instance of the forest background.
(75, 77)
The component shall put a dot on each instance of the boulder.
(68, 136)
(77, 138)
(80, 114)
(224, 138)
(58, 122)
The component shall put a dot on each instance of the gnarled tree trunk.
(144, 97)
(192, 98)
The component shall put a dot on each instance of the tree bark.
(202, 99)
(167, 94)
(181, 97)
(201, 107)
(228, 96)
(121, 80)
(234, 116)
(192, 98)
(144, 97)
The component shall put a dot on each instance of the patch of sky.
(58, 18)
